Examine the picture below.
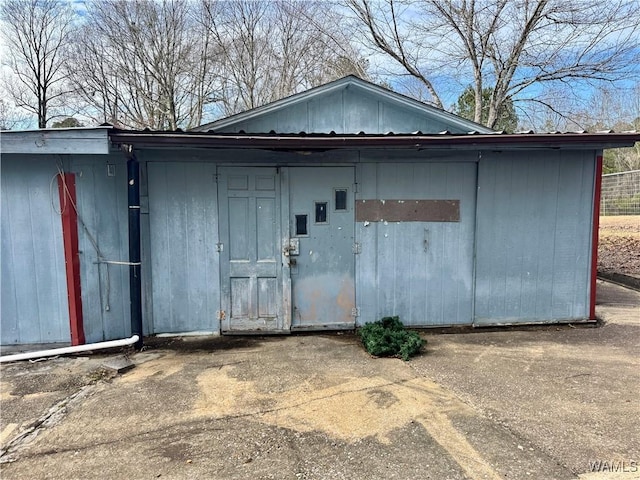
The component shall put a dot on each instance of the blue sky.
(448, 84)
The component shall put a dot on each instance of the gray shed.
(324, 210)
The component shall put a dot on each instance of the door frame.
(287, 305)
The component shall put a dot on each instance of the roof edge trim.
(327, 142)
(56, 141)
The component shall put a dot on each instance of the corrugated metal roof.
(362, 140)
(23, 142)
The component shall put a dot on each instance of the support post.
(135, 281)
(597, 193)
(67, 193)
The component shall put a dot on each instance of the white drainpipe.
(65, 350)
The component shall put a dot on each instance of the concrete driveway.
(543, 403)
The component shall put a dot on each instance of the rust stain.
(324, 299)
(346, 299)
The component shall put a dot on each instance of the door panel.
(420, 270)
(321, 206)
(251, 262)
(183, 232)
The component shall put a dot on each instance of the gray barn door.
(250, 257)
(420, 269)
(322, 264)
(183, 232)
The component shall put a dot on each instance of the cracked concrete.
(10, 448)
(534, 404)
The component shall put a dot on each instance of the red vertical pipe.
(594, 240)
(67, 191)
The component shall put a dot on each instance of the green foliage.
(619, 159)
(507, 118)
(68, 122)
(609, 163)
(389, 338)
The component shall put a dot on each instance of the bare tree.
(166, 64)
(5, 116)
(617, 110)
(269, 50)
(510, 46)
(144, 64)
(11, 117)
(36, 33)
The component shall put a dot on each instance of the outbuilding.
(321, 211)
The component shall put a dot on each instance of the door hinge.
(219, 247)
(221, 314)
(356, 248)
(355, 312)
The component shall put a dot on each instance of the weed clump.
(388, 337)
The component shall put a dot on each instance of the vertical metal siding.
(102, 207)
(533, 246)
(289, 120)
(183, 216)
(395, 119)
(325, 114)
(145, 250)
(396, 273)
(360, 112)
(345, 111)
(34, 294)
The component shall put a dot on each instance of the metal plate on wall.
(408, 210)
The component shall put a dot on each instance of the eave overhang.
(324, 142)
(60, 141)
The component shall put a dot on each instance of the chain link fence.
(621, 193)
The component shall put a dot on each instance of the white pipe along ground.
(65, 350)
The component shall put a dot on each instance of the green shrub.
(389, 338)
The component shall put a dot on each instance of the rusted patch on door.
(408, 210)
(324, 299)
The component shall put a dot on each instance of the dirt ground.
(540, 403)
(619, 244)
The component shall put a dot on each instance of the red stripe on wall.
(594, 241)
(67, 191)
